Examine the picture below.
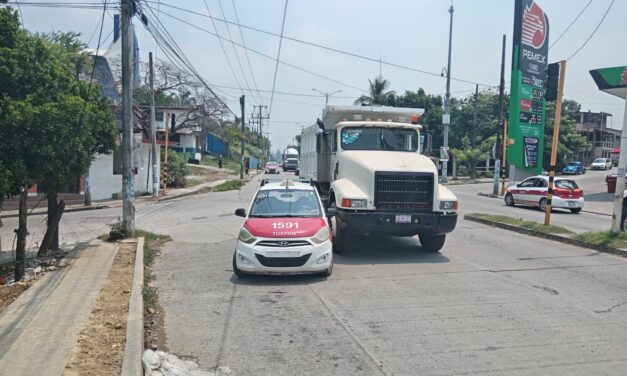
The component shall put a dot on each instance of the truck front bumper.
(385, 223)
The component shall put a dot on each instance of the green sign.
(611, 80)
(527, 99)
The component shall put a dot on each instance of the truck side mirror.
(331, 212)
(241, 212)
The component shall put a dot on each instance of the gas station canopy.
(611, 80)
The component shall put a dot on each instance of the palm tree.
(378, 95)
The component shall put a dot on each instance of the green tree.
(378, 93)
(51, 125)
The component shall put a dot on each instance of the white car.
(601, 164)
(533, 191)
(286, 231)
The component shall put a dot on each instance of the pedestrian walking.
(247, 164)
(220, 161)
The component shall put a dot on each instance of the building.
(596, 127)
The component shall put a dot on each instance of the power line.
(241, 34)
(223, 49)
(571, 24)
(376, 60)
(593, 32)
(173, 47)
(228, 30)
(265, 55)
(278, 55)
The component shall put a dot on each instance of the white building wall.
(187, 141)
(105, 185)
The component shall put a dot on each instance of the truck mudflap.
(396, 224)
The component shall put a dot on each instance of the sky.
(412, 33)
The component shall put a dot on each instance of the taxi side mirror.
(331, 212)
(241, 212)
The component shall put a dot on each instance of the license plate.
(403, 218)
(282, 253)
(570, 203)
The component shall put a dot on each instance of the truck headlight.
(354, 203)
(245, 236)
(321, 236)
(448, 205)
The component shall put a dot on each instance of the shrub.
(177, 170)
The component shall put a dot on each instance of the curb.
(490, 195)
(546, 235)
(597, 213)
(67, 210)
(134, 348)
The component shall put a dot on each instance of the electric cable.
(593, 32)
(278, 56)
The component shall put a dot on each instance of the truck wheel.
(236, 270)
(432, 243)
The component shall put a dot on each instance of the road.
(492, 302)
(597, 200)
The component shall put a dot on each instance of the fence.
(216, 146)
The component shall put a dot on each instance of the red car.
(272, 168)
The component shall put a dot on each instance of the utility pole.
(446, 119)
(556, 135)
(326, 95)
(497, 160)
(153, 131)
(473, 134)
(241, 156)
(128, 189)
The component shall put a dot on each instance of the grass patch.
(604, 238)
(229, 186)
(213, 162)
(519, 222)
(152, 246)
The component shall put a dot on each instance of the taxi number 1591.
(284, 225)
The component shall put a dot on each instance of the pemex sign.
(528, 87)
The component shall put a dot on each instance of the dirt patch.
(204, 175)
(34, 269)
(154, 333)
(100, 346)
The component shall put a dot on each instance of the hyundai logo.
(283, 244)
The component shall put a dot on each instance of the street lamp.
(326, 95)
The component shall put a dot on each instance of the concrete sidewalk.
(40, 328)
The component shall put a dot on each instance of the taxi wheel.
(575, 210)
(509, 200)
(236, 270)
(542, 204)
(328, 272)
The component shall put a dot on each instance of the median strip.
(602, 241)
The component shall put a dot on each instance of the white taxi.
(533, 191)
(285, 231)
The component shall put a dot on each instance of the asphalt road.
(492, 302)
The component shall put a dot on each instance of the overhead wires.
(278, 56)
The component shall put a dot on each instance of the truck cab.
(366, 161)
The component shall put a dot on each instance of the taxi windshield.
(273, 203)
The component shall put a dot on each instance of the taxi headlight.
(245, 236)
(448, 205)
(321, 236)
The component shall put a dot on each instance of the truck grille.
(283, 262)
(398, 190)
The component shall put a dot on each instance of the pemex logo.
(533, 26)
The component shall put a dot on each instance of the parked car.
(286, 231)
(574, 168)
(272, 168)
(533, 191)
(297, 170)
(601, 164)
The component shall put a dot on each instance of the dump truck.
(367, 164)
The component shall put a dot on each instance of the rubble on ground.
(159, 363)
(34, 269)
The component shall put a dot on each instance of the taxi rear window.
(566, 184)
